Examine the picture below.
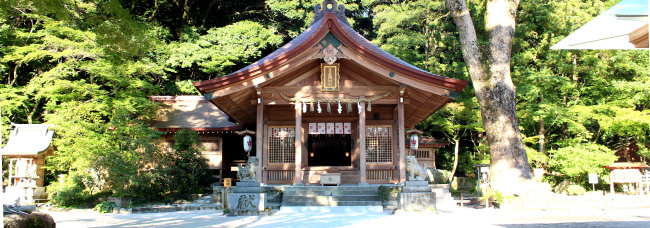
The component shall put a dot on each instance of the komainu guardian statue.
(249, 172)
(415, 172)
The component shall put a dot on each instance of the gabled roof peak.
(329, 6)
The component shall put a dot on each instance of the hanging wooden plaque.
(329, 77)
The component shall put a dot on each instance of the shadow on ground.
(608, 224)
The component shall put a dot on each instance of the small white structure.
(26, 149)
(612, 29)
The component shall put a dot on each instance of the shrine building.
(330, 102)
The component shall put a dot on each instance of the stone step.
(328, 193)
(332, 188)
(416, 189)
(327, 209)
(246, 189)
(330, 198)
(273, 205)
(332, 203)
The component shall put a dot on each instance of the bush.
(105, 207)
(71, 193)
(186, 166)
(575, 190)
(535, 158)
(575, 162)
(385, 192)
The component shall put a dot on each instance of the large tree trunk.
(495, 92)
(453, 170)
(542, 130)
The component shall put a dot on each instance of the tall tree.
(489, 69)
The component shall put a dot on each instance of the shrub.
(384, 192)
(186, 166)
(535, 158)
(575, 190)
(575, 162)
(105, 207)
(71, 193)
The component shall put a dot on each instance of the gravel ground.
(639, 217)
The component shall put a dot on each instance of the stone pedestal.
(247, 203)
(416, 196)
(417, 201)
(247, 198)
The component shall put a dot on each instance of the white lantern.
(248, 143)
(414, 142)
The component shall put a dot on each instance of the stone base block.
(416, 189)
(247, 203)
(247, 184)
(239, 189)
(416, 183)
(417, 201)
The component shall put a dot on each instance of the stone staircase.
(330, 196)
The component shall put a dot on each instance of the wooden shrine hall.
(330, 102)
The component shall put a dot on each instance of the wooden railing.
(421, 153)
(379, 175)
(280, 176)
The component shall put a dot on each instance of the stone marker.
(247, 203)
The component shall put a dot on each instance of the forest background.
(89, 66)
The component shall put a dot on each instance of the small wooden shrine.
(27, 148)
(330, 102)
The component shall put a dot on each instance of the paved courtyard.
(639, 217)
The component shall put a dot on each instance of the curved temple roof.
(233, 93)
(329, 21)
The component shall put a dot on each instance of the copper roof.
(190, 112)
(28, 139)
(327, 22)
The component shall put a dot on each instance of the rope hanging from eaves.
(349, 101)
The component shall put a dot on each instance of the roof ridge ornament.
(329, 6)
(330, 55)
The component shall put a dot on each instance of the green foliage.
(219, 49)
(575, 162)
(493, 195)
(69, 193)
(293, 17)
(575, 190)
(536, 158)
(105, 207)
(386, 193)
(186, 166)
(88, 67)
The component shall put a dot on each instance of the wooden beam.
(311, 70)
(305, 91)
(639, 37)
(268, 101)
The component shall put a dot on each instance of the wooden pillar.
(362, 144)
(11, 170)
(298, 145)
(611, 184)
(400, 140)
(259, 139)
